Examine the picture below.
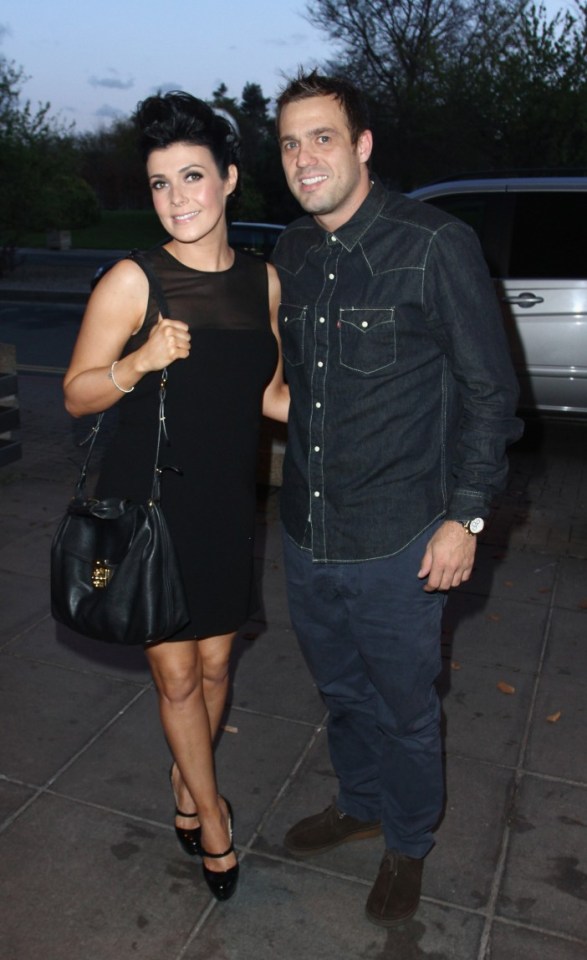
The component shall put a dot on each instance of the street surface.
(43, 333)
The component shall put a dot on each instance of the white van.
(533, 231)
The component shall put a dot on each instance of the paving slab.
(273, 602)
(545, 879)
(483, 635)
(12, 798)
(126, 769)
(508, 942)
(571, 589)
(291, 912)
(29, 555)
(255, 762)
(52, 713)
(270, 675)
(268, 540)
(81, 882)
(460, 868)
(482, 722)
(34, 500)
(556, 747)
(50, 642)
(24, 602)
(512, 575)
(566, 653)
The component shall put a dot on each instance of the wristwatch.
(474, 526)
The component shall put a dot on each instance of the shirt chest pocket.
(367, 339)
(292, 330)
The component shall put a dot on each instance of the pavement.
(89, 865)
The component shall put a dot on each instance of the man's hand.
(449, 556)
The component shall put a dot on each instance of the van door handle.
(525, 299)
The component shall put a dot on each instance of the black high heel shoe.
(189, 840)
(222, 885)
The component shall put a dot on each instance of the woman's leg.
(215, 658)
(178, 671)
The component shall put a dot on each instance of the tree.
(69, 203)
(539, 93)
(109, 160)
(457, 85)
(263, 194)
(37, 163)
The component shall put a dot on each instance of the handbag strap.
(156, 290)
(154, 283)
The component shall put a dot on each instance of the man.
(403, 399)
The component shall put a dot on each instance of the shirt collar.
(350, 233)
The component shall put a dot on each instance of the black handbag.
(114, 571)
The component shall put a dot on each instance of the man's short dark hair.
(178, 117)
(314, 84)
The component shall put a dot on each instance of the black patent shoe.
(222, 885)
(190, 841)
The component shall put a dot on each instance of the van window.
(470, 207)
(549, 236)
(488, 215)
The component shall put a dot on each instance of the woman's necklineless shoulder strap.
(154, 283)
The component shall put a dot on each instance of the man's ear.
(365, 145)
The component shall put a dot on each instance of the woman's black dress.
(213, 410)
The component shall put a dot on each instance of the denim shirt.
(403, 392)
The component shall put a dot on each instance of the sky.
(94, 61)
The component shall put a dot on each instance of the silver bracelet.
(117, 385)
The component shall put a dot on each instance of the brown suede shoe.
(326, 830)
(395, 895)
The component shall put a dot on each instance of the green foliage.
(116, 230)
(39, 186)
(110, 162)
(464, 85)
(69, 203)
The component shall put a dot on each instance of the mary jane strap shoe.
(222, 884)
(190, 838)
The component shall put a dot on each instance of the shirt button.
(316, 449)
(322, 320)
(316, 493)
(285, 319)
(364, 323)
(331, 276)
(318, 404)
(320, 364)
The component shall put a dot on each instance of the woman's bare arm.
(276, 395)
(115, 311)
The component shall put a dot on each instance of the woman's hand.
(168, 340)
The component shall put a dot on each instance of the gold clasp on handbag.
(101, 574)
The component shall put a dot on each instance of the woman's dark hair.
(179, 117)
(313, 84)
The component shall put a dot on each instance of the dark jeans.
(371, 638)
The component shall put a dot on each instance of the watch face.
(476, 525)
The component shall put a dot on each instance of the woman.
(221, 349)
